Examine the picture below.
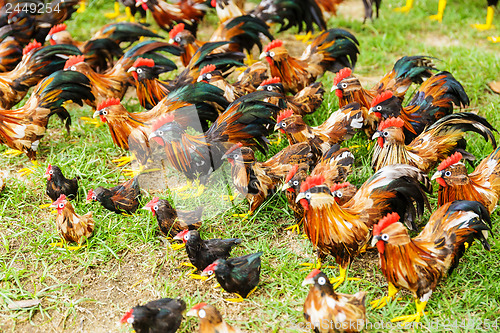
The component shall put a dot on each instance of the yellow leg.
(305, 38)
(74, 248)
(494, 39)
(439, 16)
(200, 188)
(128, 16)
(277, 141)
(363, 249)
(187, 264)
(235, 300)
(91, 121)
(414, 317)
(249, 60)
(123, 160)
(184, 188)
(135, 172)
(380, 303)
(243, 216)
(317, 265)
(61, 243)
(116, 13)
(295, 227)
(489, 20)
(82, 7)
(406, 8)
(342, 278)
(177, 247)
(27, 171)
(13, 152)
(229, 197)
(47, 205)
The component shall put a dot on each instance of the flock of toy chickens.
(235, 118)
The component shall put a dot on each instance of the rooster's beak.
(375, 240)
(192, 313)
(152, 135)
(437, 175)
(146, 208)
(334, 87)
(96, 114)
(131, 69)
(300, 196)
(370, 110)
(263, 55)
(170, 41)
(376, 135)
(276, 127)
(307, 282)
(284, 187)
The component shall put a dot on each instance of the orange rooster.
(433, 100)
(114, 82)
(210, 319)
(22, 129)
(340, 126)
(328, 311)
(432, 146)
(306, 101)
(242, 32)
(482, 185)
(332, 50)
(11, 53)
(419, 263)
(72, 227)
(37, 62)
(189, 12)
(407, 70)
(342, 231)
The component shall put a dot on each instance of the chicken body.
(482, 185)
(332, 50)
(72, 227)
(210, 319)
(418, 264)
(123, 198)
(329, 311)
(432, 146)
(57, 184)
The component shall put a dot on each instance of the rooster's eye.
(308, 196)
(94, 197)
(61, 205)
(155, 207)
(104, 113)
(379, 108)
(321, 281)
(386, 134)
(210, 272)
(186, 236)
(295, 183)
(339, 194)
(271, 54)
(447, 173)
(343, 85)
(177, 39)
(385, 237)
(202, 313)
(73, 68)
(269, 88)
(139, 70)
(160, 133)
(208, 76)
(283, 125)
(51, 172)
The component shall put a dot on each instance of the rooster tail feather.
(246, 30)
(148, 48)
(127, 32)
(339, 47)
(414, 68)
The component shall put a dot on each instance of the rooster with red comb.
(418, 264)
(332, 50)
(342, 231)
(482, 185)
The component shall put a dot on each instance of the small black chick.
(57, 184)
(172, 221)
(160, 316)
(201, 252)
(237, 275)
(123, 198)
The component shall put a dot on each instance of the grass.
(128, 262)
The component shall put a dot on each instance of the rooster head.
(451, 170)
(379, 237)
(60, 203)
(274, 51)
(385, 105)
(341, 81)
(102, 108)
(152, 205)
(389, 128)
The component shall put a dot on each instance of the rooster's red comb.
(381, 97)
(153, 202)
(207, 69)
(284, 114)
(73, 60)
(313, 273)
(168, 118)
(385, 222)
(144, 62)
(175, 30)
(273, 44)
(391, 122)
(108, 102)
(342, 74)
(61, 198)
(338, 186)
(126, 316)
(57, 28)
(270, 81)
(454, 158)
(291, 173)
(199, 306)
(311, 182)
(31, 46)
(234, 147)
